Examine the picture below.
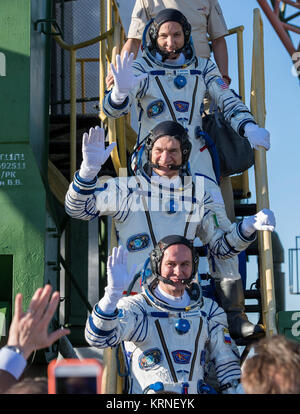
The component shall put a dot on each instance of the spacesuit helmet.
(152, 29)
(151, 279)
(175, 130)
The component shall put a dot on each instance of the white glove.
(94, 153)
(257, 136)
(263, 220)
(118, 279)
(124, 78)
(235, 390)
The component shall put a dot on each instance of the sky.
(282, 121)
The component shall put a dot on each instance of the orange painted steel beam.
(280, 26)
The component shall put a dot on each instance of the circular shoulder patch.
(155, 108)
(149, 359)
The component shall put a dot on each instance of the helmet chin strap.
(170, 282)
(170, 166)
(166, 55)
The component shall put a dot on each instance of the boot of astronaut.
(231, 296)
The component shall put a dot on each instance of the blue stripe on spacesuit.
(206, 176)
(223, 368)
(213, 328)
(100, 341)
(144, 89)
(228, 106)
(234, 373)
(107, 112)
(138, 66)
(75, 210)
(80, 191)
(212, 312)
(83, 182)
(96, 331)
(205, 70)
(242, 124)
(142, 326)
(117, 106)
(219, 249)
(210, 80)
(89, 212)
(209, 67)
(145, 83)
(102, 315)
(159, 314)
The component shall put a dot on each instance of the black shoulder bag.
(231, 153)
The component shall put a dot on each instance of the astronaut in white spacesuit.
(170, 82)
(166, 330)
(161, 199)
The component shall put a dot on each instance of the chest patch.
(181, 106)
(149, 359)
(181, 356)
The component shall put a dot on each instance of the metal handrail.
(261, 178)
(111, 31)
(72, 49)
(241, 180)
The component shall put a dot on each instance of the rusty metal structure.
(282, 15)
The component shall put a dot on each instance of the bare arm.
(132, 46)
(219, 48)
(29, 330)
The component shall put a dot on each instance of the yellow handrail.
(110, 41)
(113, 33)
(242, 179)
(116, 128)
(72, 49)
(261, 178)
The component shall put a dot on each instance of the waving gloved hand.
(118, 279)
(263, 220)
(94, 153)
(124, 78)
(257, 136)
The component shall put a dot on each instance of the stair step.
(252, 294)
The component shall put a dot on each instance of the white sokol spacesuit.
(165, 91)
(176, 209)
(166, 344)
(145, 210)
(177, 92)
